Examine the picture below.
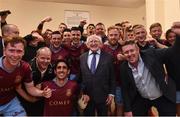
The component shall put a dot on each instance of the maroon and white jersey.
(10, 79)
(60, 54)
(75, 53)
(114, 52)
(62, 100)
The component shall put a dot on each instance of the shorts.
(12, 108)
(178, 97)
(118, 96)
(72, 77)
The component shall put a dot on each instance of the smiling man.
(42, 70)
(64, 94)
(98, 77)
(76, 49)
(143, 78)
(13, 72)
(58, 52)
(114, 48)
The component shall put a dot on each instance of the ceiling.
(113, 3)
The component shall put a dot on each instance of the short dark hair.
(67, 30)
(48, 30)
(28, 38)
(168, 32)
(63, 24)
(56, 32)
(91, 25)
(14, 40)
(157, 24)
(118, 24)
(129, 42)
(61, 61)
(75, 29)
(100, 23)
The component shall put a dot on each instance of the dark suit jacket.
(153, 60)
(1, 47)
(173, 67)
(102, 83)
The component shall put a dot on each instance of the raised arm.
(3, 15)
(41, 24)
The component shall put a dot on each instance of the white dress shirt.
(90, 56)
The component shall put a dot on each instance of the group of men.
(96, 67)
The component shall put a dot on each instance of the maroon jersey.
(62, 99)
(75, 53)
(60, 54)
(9, 80)
(114, 52)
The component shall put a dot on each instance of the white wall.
(172, 12)
(164, 11)
(27, 14)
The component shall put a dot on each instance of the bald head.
(43, 50)
(10, 30)
(43, 58)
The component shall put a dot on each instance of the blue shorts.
(118, 96)
(13, 108)
(72, 77)
(177, 96)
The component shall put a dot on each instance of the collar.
(113, 47)
(57, 83)
(2, 42)
(76, 45)
(55, 50)
(91, 52)
(1, 62)
(139, 62)
(2, 66)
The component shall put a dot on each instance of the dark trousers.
(92, 107)
(32, 109)
(164, 106)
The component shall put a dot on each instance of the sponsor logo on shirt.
(18, 79)
(68, 92)
(59, 103)
(6, 89)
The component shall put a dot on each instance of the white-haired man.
(98, 78)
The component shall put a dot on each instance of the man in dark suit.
(98, 78)
(144, 82)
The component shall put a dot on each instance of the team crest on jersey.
(18, 79)
(60, 57)
(68, 92)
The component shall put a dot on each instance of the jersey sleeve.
(26, 69)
